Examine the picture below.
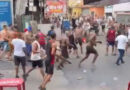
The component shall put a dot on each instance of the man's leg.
(81, 48)
(17, 63)
(46, 80)
(94, 51)
(107, 50)
(23, 62)
(95, 58)
(42, 72)
(87, 55)
(113, 47)
(122, 55)
(32, 68)
(16, 71)
(119, 58)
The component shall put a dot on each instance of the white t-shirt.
(86, 26)
(122, 41)
(18, 44)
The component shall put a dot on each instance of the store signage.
(5, 13)
(55, 6)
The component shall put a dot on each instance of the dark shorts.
(79, 41)
(43, 46)
(38, 63)
(20, 60)
(49, 68)
(73, 45)
(110, 43)
(90, 50)
(103, 27)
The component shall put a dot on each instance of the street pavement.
(105, 75)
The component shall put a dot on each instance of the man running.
(51, 51)
(122, 43)
(72, 43)
(78, 36)
(19, 54)
(36, 57)
(90, 48)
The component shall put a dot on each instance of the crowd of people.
(38, 48)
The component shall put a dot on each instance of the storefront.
(97, 11)
(108, 11)
(6, 15)
(76, 7)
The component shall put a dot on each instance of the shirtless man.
(4, 40)
(62, 51)
(90, 48)
(72, 43)
(78, 36)
(13, 34)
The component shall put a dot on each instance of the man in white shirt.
(19, 54)
(36, 58)
(122, 43)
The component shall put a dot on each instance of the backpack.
(111, 35)
(50, 32)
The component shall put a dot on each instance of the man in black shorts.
(51, 52)
(19, 54)
(90, 48)
(36, 58)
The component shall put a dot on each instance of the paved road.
(105, 76)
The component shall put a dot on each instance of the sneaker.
(42, 88)
(122, 62)
(117, 64)
(17, 76)
(25, 76)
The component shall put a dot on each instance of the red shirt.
(41, 38)
(111, 35)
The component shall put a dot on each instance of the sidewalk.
(34, 80)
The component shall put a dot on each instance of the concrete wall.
(44, 27)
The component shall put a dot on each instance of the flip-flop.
(42, 88)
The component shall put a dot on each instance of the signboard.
(5, 13)
(75, 3)
(55, 6)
